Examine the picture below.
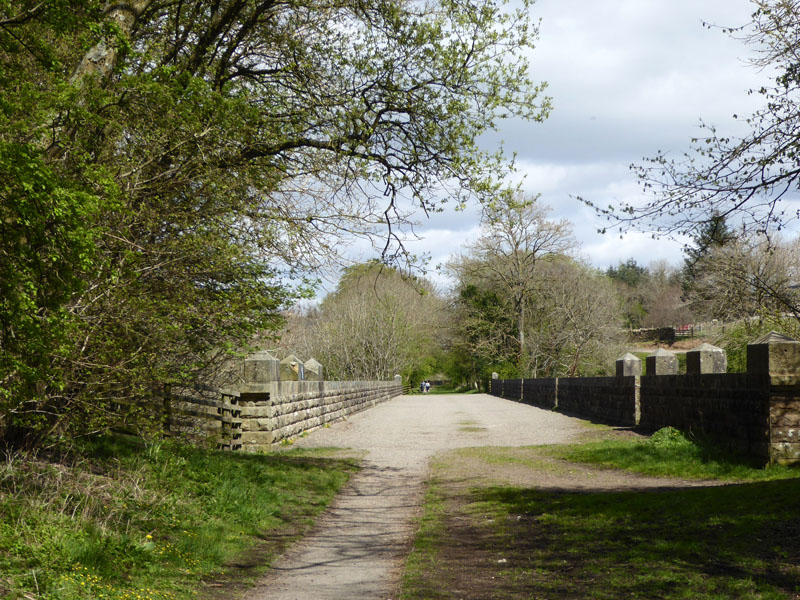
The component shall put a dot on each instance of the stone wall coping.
(771, 338)
(706, 347)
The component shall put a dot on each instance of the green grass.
(530, 457)
(709, 542)
(128, 521)
(423, 557)
(702, 543)
(669, 453)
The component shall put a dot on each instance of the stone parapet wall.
(606, 399)
(512, 389)
(756, 412)
(540, 392)
(275, 411)
(730, 407)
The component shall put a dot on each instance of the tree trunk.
(100, 60)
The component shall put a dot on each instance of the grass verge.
(486, 538)
(127, 521)
(670, 453)
(424, 555)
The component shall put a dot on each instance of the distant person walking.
(427, 386)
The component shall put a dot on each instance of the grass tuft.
(671, 453)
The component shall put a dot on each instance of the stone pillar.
(313, 370)
(261, 376)
(778, 357)
(261, 367)
(629, 366)
(496, 385)
(661, 362)
(706, 359)
(292, 369)
(398, 380)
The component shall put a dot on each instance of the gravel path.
(356, 551)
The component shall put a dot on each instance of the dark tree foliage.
(713, 234)
(628, 272)
(488, 334)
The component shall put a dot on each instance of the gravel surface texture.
(357, 549)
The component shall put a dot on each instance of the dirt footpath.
(357, 550)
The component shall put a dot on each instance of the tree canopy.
(377, 323)
(180, 164)
(523, 306)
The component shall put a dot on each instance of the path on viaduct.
(357, 550)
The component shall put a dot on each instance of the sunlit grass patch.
(530, 456)
(670, 453)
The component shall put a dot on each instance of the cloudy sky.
(627, 78)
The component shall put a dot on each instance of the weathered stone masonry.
(757, 412)
(274, 409)
(280, 410)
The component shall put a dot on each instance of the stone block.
(776, 355)
(629, 365)
(661, 362)
(313, 370)
(257, 438)
(784, 453)
(264, 424)
(706, 359)
(261, 367)
(292, 369)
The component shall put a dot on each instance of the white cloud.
(628, 78)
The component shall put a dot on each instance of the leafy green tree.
(630, 279)
(568, 316)
(47, 251)
(517, 236)
(485, 330)
(202, 155)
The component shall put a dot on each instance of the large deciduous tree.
(516, 237)
(378, 323)
(748, 277)
(523, 306)
(173, 161)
